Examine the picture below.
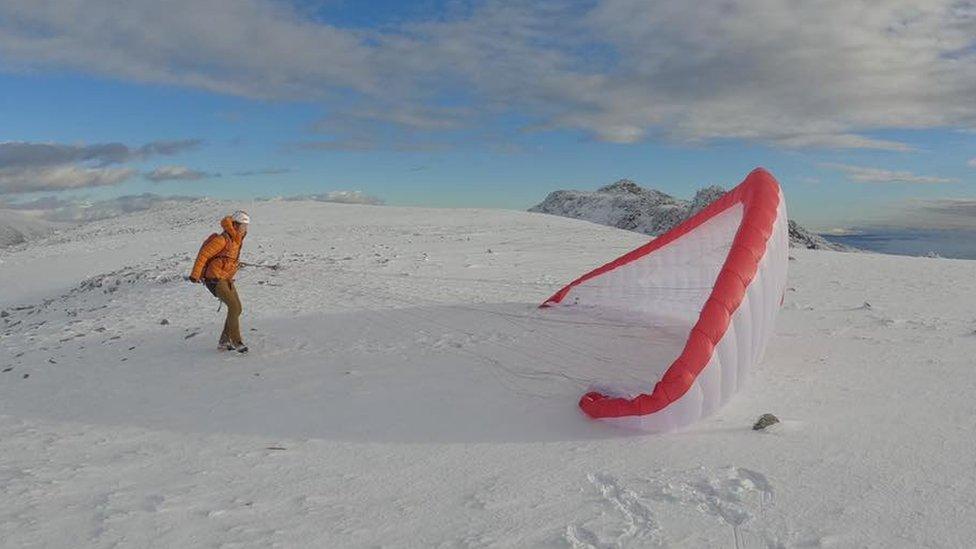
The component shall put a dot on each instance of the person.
(216, 265)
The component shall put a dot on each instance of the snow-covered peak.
(626, 205)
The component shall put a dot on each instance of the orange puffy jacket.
(217, 258)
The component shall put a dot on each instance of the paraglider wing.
(723, 272)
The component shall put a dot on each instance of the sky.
(863, 110)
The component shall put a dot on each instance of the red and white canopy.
(722, 274)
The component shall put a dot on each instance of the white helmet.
(240, 216)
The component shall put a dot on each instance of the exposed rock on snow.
(627, 205)
(764, 421)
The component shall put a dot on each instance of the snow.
(403, 390)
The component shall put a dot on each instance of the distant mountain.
(624, 205)
(17, 228)
(627, 205)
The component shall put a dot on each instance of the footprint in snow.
(735, 497)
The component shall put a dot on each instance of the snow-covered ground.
(403, 390)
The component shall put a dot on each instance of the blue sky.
(864, 113)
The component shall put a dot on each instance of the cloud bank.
(59, 178)
(31, 167)
(935, 214)
(792, 74)
(52, 208)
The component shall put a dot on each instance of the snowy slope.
(403, 390)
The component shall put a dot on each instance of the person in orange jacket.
(216, 265)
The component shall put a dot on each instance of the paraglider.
(721, 277)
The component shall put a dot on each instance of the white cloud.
(794, 74)
(865, 174)
(177, 173)
(59, 178)
(971, 163)
(341, 197)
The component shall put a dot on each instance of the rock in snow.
(627, 205)
(764, 421)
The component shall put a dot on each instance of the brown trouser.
(226, 292)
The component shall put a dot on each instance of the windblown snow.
(404, 390)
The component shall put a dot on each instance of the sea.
(956, 244)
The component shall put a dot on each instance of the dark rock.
(764, 421)
(164, 322)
